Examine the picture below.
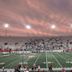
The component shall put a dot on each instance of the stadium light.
(6, 26)
(53, 26)
(28, 26)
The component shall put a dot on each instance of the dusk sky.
(36, 17)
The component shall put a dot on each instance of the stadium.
(35, 36)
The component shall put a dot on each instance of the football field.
(58, 60)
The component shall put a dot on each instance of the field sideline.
(58, 60)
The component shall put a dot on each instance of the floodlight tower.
(6, 26)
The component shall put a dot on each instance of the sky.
(31, 18)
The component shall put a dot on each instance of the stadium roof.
(36, 17)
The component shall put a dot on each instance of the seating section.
(35, 44)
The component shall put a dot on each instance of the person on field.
(50, 68)
(39, 68)
(63, 70)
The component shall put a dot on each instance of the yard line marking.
(67, 60)
(68, 56)
(57, 60)
(11, 63)
(24, 58)
(37, 58)
(14, 62)
(9, 60)
(46, 60)
(61, 56)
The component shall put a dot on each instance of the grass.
(58, 60)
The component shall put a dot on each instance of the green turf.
(58, 60)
